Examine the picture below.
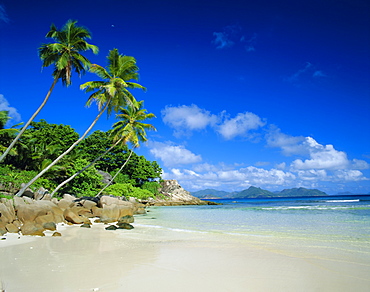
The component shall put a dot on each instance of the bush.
(141, 194)
(87, 183)
(152, 187)
(122, 178)
(11, 179)
(127, 190)
(120, 189)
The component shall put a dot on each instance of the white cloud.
(3, 15)
(13, 113)
(232, 35)
(222, 40)
(240, 125)
(290, 145)
(227, 37)
(250, 43)
(234, 178)
(173, 155)
(318, 73)
(349, 175)
(322, 157)
(184, 119)
(307, 72)
(300, 72)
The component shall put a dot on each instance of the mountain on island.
(254, 192)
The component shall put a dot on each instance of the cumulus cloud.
(235, 178)
(290, 145)
(3, 14)
(13, 113)
(173, 155)
(240, 125)
(321, 157)
(184, 119)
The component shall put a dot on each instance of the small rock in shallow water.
(111, 227)
(85, 225)
(57, 234)
(125, 226)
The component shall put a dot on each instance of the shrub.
(151, 186)
(11, 179)
(87, 183)
(120, 189)
(127, 190)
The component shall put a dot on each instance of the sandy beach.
(157, 259)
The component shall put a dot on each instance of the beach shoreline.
(160, 259)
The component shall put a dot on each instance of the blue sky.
(273, 94)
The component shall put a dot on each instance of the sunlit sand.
(156, 259)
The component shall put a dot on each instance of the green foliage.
(122, 178)
(120, 189)
(151, 186)
(42, 143)
(127, 190)
(87, 183)
(141, 194)
(6, 196)
(12, 178)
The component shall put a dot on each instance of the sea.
(343, 220)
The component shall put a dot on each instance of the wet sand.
(155, 259)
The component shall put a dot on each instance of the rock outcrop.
(175, 195)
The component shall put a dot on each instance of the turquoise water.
(333, 218)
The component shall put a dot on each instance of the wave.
(342, 201)
(280, 208)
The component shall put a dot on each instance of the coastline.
(160, 259)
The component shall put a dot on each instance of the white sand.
(150, 259)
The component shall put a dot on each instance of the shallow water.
(340, 221)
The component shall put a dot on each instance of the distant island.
(254, 192)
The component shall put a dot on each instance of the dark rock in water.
(126, 219)
(57, 234)
(125, 226)
(111, 227)
(85, 225)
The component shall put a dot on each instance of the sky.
(271, 94)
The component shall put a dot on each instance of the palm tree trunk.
(2, 157)
(109, 183)
(21, 191)
(86, 167)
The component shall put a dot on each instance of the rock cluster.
(32, 217)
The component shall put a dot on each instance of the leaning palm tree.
(7, 135)
(132, 129)
(86, 167)
(109, 94)
(65, 55)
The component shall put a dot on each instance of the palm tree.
(6, 135)
(109, 94)
(86, 167)
(65, 55)
(132, 129)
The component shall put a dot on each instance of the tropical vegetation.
(55, 157)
